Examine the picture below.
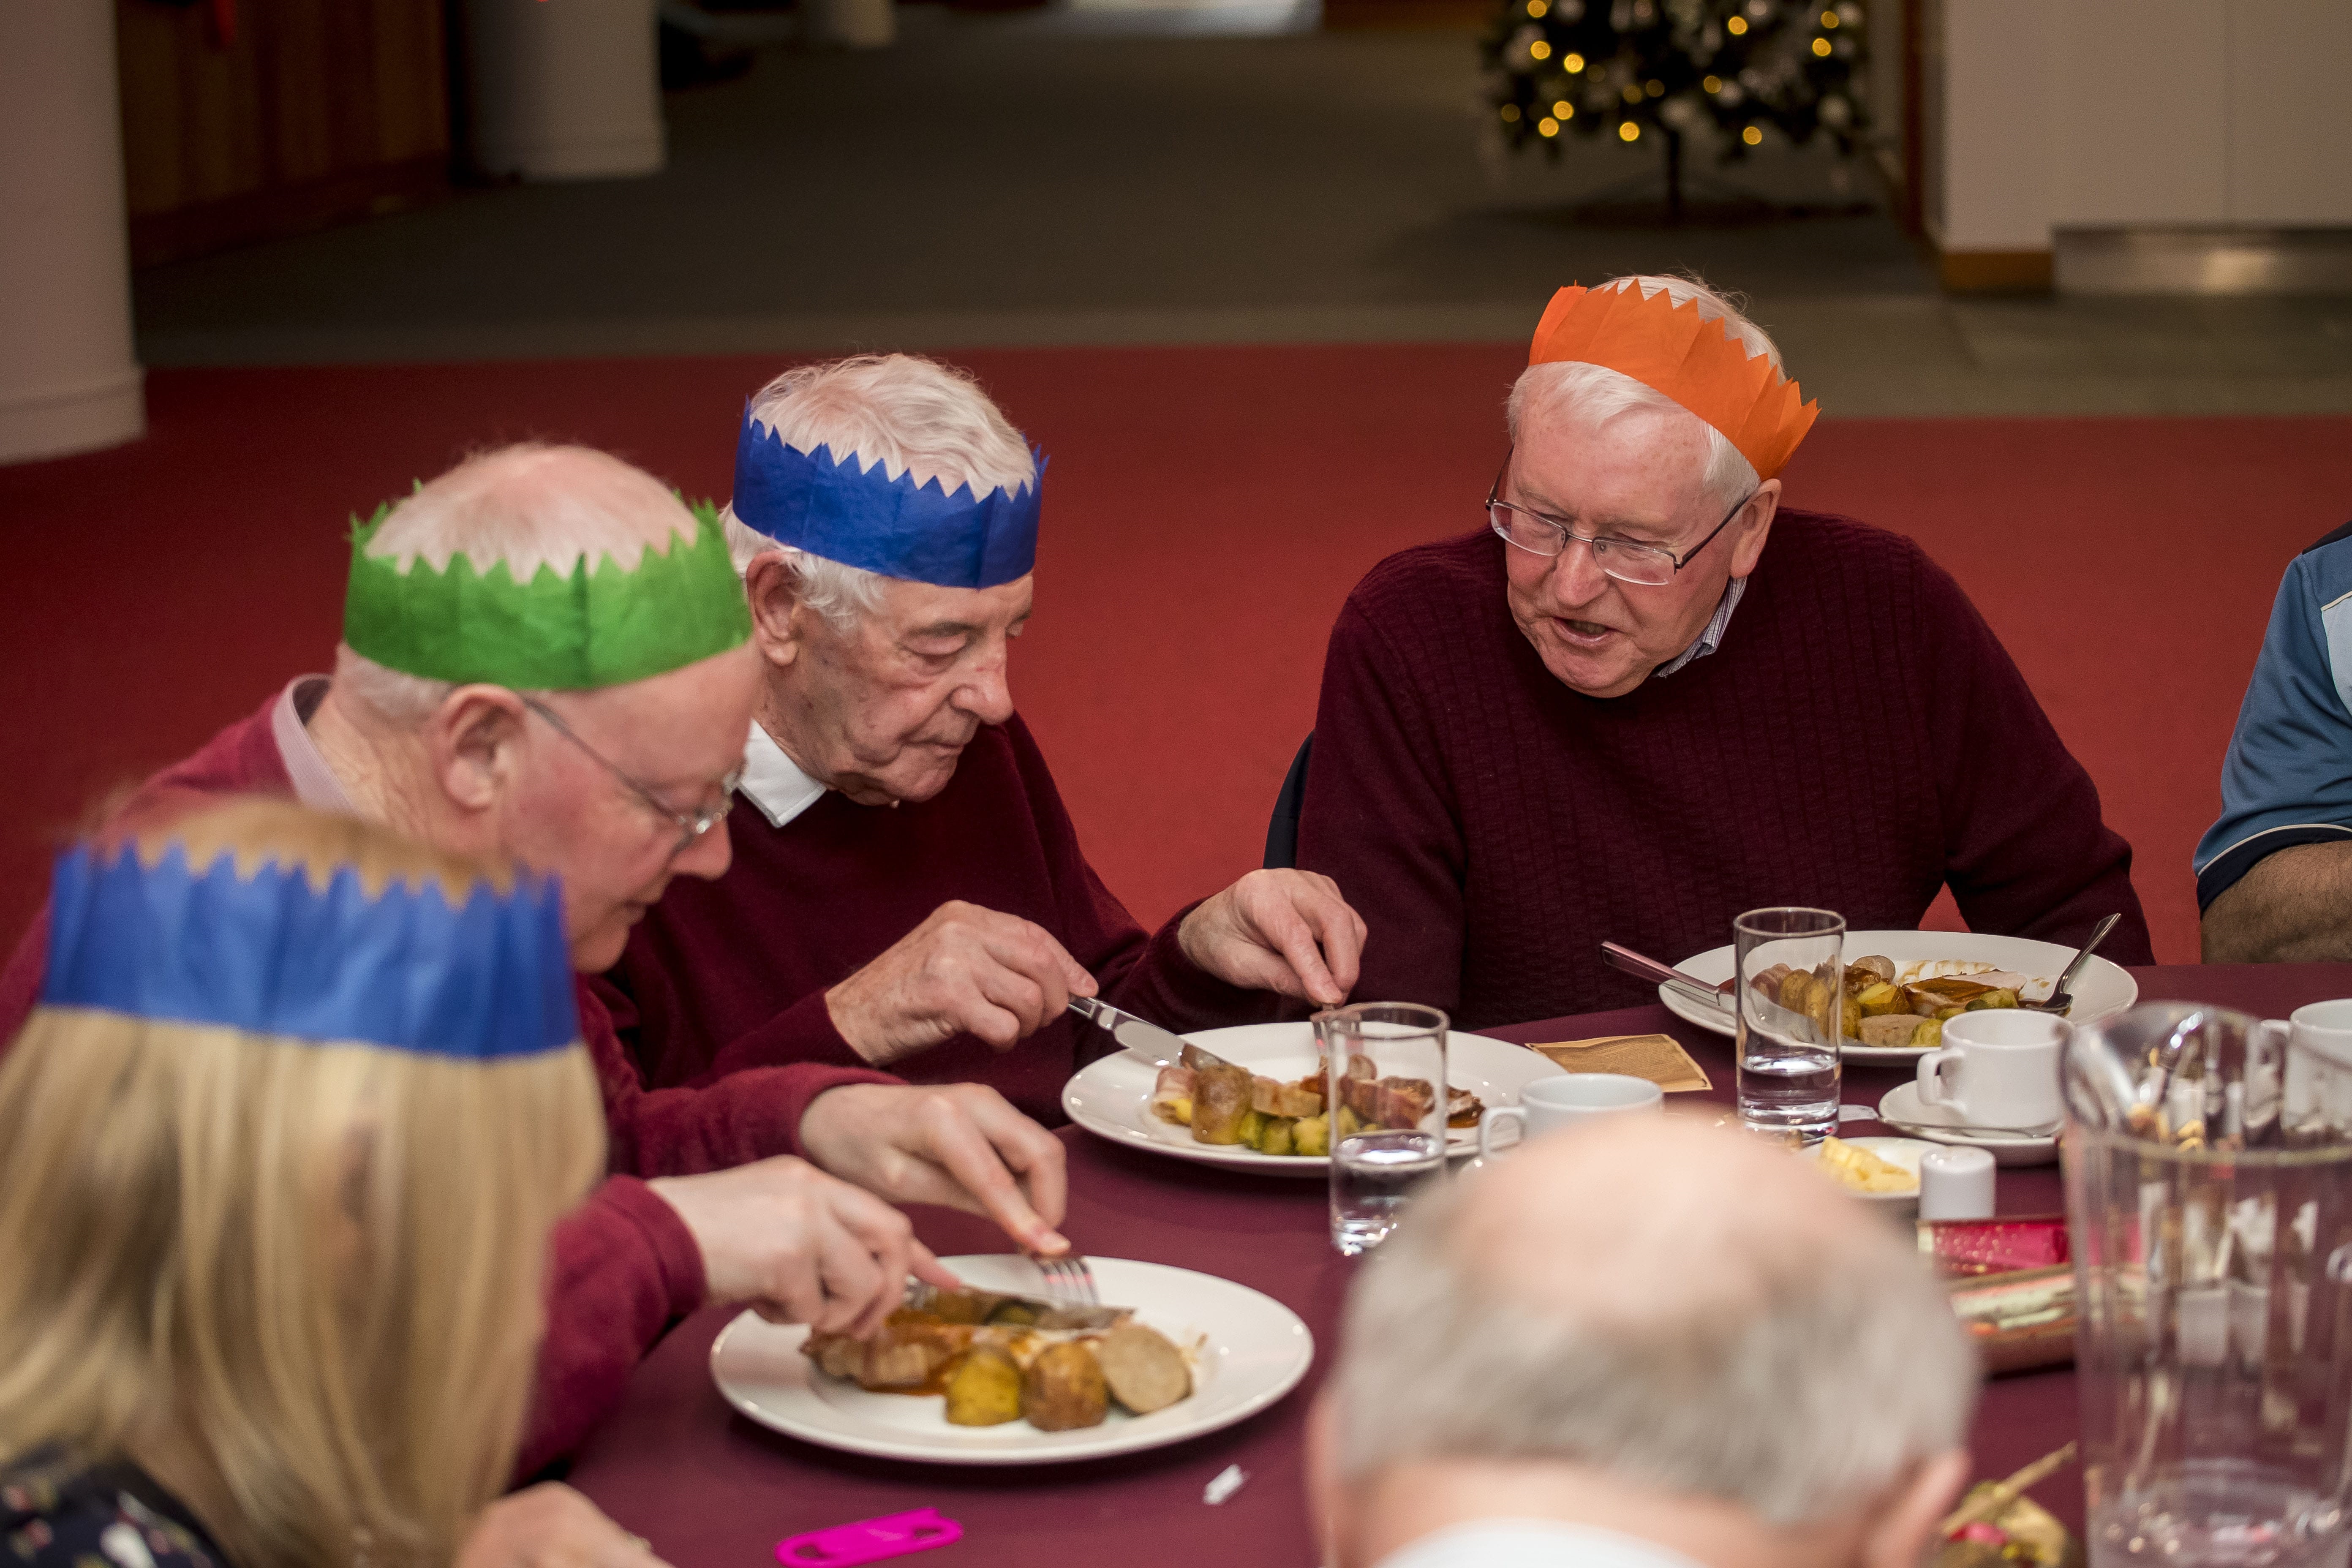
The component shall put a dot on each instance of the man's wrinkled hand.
(550, 1526)
(801, 1246)
(1287, 932)
(966, 970)
(960, 1144)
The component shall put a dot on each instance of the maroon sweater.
(728, 976)
(623, 1266)
(1860, 738)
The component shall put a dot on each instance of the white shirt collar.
(315, 783)
(1531, 1543)
(774, 782)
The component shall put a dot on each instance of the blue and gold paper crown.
(838, 509)
(273, 954)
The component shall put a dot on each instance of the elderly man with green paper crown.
(909, 889)
(546, 657)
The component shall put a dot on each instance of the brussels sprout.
(1311, 1135)
(1994, 999)
(1928, 1035)
(1278, 1135)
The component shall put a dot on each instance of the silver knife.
(1135, 1035)
(1618, 956)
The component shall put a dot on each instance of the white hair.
(1594, 394)
(1795, 1380)
(527, 505)
(909, 414)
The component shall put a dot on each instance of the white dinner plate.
(1112, 1097)
(1253, 1351)
(1901, 1106)
(2102, 990)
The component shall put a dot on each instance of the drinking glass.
(2209, 1189)
(1384, 1087)
(1788, 1038)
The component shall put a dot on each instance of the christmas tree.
(1664, 69)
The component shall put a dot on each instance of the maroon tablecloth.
(708, 1488)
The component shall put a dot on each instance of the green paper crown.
(576, 632)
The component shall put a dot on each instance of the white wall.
(2052, 114)
(69, 381)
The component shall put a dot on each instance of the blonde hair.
(909, 414)
(318, 1264)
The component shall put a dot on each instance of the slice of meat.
(1286, 1099)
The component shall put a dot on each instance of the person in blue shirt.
(2274, 874)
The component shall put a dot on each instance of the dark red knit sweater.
(1859, 739)
(727, 976)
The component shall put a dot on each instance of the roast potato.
(1220, 1103)
(1795, 989)
(1063, 1389)
(1878, 996)
(984, 1390)
(1144, 1372)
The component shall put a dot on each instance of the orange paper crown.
(1699, 363)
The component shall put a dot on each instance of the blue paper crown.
(836, 507)
(273, 956)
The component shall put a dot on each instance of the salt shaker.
(1955, 1183)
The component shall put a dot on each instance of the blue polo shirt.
(2288, 777)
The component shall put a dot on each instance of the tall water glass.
(1791, 967)
(1384, 1087)
(2209, 1189)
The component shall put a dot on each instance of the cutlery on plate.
(1646, 968)
(1137, 1036)
(1981, 1134)
(1046, 1312)
(2060, 997)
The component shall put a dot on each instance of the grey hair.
(528, 506)
(1594, 394)
(1836, 1370)
(911, 414)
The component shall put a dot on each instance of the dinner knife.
(1643, 967)
(1135, 1035)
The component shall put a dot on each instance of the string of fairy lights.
(1629, 69)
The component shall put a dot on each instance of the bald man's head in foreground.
(1677, 1335)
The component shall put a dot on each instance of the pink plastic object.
(869, 1540)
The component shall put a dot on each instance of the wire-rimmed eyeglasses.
(691, 825)
(1627, 560)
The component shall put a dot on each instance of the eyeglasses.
(1627, 560)
(691, 825)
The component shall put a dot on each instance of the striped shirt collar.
(1712, 637)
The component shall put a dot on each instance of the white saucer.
(1903, 1108)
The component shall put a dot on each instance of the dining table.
(711, 1488)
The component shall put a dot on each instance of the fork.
(1068, 1278)
(2060, 997)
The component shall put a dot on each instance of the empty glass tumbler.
(1385, 1088)
(2209, 1191)
(1790, 965)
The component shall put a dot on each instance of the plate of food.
(975, 1377)
(1927, 976)
(1877, 1170)
(1275, 1125)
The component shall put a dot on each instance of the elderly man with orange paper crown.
(546, 658)
(1612, 713)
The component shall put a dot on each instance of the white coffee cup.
(1998, 1069)
(1551, 1103)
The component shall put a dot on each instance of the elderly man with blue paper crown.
(546, 658)
(885, 519)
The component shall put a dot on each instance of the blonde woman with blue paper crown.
(280, 1150)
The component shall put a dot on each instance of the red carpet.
(1209, 509)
